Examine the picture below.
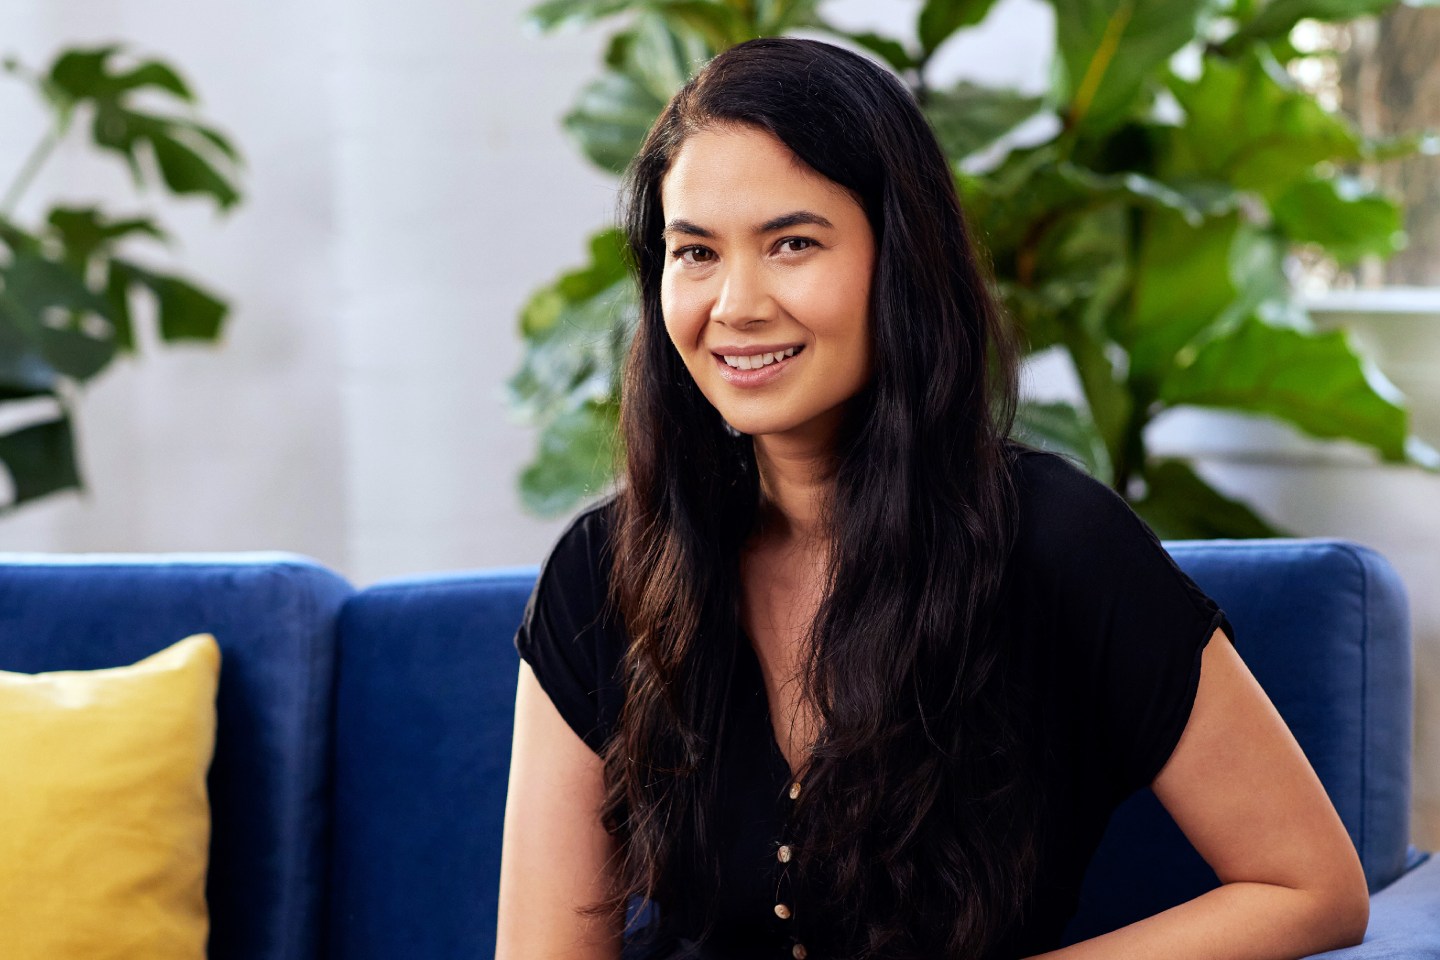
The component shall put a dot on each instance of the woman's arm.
(555, 849)
(1242, 791)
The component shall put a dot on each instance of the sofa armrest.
(1404, 919)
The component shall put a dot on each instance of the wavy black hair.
(920, 819)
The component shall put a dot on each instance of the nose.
(744, 297)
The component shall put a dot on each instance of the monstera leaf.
(69, 285)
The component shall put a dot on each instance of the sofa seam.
(1365, 724)
(443, 585)
(1350, 551)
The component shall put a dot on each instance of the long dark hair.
(920, 816)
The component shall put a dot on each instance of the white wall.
(194, 447)
(408, 186)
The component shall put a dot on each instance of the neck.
(797, 479)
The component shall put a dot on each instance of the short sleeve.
(1131, 622)
(565, 635)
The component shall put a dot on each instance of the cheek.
(834, 305)
(684, 322)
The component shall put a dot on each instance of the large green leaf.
(941, 18)
(1316, 381)
(605, 269)
(713, 23)
(185, 311)
(24, 369)
(84, 232)
(556, 13)
(576, 459)
(611, 118)
(52, 311)
(190, 157)
(40, 284)
(968, 116)
(41, 459)
(1062, 428)
(772, 18)
(1109, 49)
(578, 358)
(1349, 219)
(185, 167)
(117, 294)
(1034, 191)
(1182, 286)
(1112, 407)
(576, 333)
(76, 351)
(1247, 125)
(889, 49)
(1193, 200)
(659, 56)
(1277, 17)
(1180, 505)
(87, 74)
(1085, 256)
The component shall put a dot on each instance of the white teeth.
(758, 360)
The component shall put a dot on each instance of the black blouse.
(1112, 627)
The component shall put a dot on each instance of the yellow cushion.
(104, 814)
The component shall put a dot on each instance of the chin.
(758, 427)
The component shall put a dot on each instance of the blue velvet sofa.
(358, 785)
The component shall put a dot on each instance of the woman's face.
(765, 256)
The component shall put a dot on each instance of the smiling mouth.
(759, 360)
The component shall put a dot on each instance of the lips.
(759, 376)
(754, 357)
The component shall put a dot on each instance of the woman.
(842, 670)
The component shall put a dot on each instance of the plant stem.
(27, 173)
(1131, 458)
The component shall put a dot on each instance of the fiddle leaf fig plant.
(1147, 237)
(69, 280)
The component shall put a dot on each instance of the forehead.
(735, 168)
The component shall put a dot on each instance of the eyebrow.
(794, 218)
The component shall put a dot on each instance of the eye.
(805, 240)
(679, 254)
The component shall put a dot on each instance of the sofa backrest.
(274, 616)
(426, 686)
(424, 706)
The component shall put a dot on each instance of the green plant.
(1147, 237)
(68, 284)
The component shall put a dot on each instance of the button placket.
(784, 854)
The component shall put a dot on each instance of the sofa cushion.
(425, 704)
(274, 617)
(105, 824)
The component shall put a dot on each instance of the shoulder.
(571, 593)
(568, 633)
(582, 552)
(1063, 511)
